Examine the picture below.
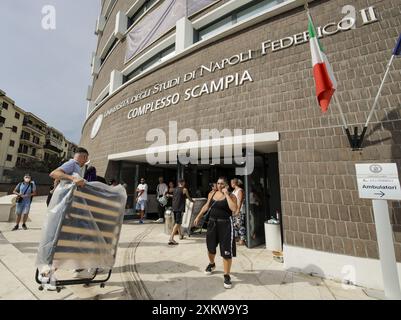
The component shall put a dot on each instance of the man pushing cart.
(82, 228)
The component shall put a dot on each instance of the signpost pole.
(386, 250)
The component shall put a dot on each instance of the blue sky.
(47, 72)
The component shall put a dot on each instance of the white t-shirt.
(161, 189)
(144, 195)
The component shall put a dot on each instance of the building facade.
(246, 65)
(11, 119)
(24, 137)
(33, 139)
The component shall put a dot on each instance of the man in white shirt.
(142, 197)
(161, 190)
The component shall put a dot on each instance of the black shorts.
(178, 217)
(221, 232)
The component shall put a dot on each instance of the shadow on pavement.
(161, 267)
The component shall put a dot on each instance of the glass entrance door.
(263, 195)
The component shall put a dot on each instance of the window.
(23, 149)
(5, 105)
(33, 151)
(14, 129)
(108, 51)
(256, 9)
(143, 9)
(25, 135)
(12, 143)
(239, 15)
(17, 115)
(1, 135)
(36, 140)
(215, 28)
(9, 157)
(159, 57)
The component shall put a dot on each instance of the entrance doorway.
(262, 189)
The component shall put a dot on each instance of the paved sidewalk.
(147, 268)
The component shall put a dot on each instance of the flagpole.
(335, 95)
(341, 112)
(396, 51)
(380, 90)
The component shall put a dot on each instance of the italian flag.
(325, 82)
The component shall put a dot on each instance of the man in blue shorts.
(25, 191)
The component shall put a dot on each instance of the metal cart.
(82, 232)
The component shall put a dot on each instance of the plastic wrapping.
(82, 227)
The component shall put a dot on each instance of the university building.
(169, 72)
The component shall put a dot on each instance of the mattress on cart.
(82, 227)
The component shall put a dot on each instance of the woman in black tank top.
(221, 205)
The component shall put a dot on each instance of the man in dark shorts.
(179, 197)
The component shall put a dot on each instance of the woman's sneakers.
(227, 281)
(210, 267)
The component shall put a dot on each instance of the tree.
(47, 165)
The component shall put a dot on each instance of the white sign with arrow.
(378, 181)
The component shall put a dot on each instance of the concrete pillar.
(121, 25)
(116, 80)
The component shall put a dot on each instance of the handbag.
(162, 200)
(205, 218)
(19, 198)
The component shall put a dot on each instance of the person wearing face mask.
(25, 191)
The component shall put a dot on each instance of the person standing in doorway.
(161, 191)
(179, 197)
(213, 187)
(25, 191)
(239, 215)
(220, 231)
(142, 198)
(170, 194)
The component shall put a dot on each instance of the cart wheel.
(102, 285)
(40, 288)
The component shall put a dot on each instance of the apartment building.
(26, 138)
